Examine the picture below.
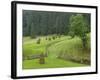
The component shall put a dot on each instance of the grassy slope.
(57, 46)
(50, 63)
(69, 46)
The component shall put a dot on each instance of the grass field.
(62, 52)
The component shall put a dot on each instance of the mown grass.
(64, 46)
(30, 46)
(49, 63)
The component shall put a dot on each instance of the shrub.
(49, 39)
(53, 37)
(41, 59)
(46, 38)
(33, 36)
(59, 36)
(38, 41)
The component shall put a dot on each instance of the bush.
(32, 36)
(53, 37)
(42, 59)
(73, 58)
(46, 38)
(49, 39)
(38, 41)
(59, 36)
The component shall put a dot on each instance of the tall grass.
(71, 49)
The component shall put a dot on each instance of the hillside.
(62, 51)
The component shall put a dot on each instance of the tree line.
(38, 23)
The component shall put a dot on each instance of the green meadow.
(59, 50)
